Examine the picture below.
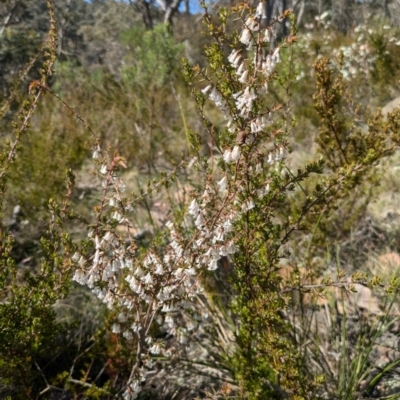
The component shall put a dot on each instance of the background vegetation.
(113, 82)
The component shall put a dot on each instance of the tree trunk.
(7, 19)
(301, 12)
(170, 11)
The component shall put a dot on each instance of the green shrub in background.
(27, 320)
(151, 72)
(49, 148)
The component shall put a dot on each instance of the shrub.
(228, 221)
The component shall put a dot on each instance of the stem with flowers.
(237, 215)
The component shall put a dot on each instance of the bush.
(209, 270)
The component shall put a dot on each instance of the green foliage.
(254, 195)
(351, 152)
(16, 49)
(48, 150)
(268, 362)
(153, 58)
(28, 326)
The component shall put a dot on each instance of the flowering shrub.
(246, 210)
(236, 214)
(368, 53)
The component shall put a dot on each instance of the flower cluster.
(360, 57)
(162, 285)
(157, 284)
(247, 70)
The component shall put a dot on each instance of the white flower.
(267, 36)
(119, 264)
(199, 242)
(148, 339)
(248, 205)
(223, 251)
(235, 153)
(182, 337)
(139, 272)
(276, 56)
(194, 208)
(227, 156)
(237, 95)
(250, 47)
(169, 321)
(246, 37)
(136, 327)
(213, 265)
(206, 196)
(223, 184)
(127, 335)
(199, 221)
(235, 61)
(159, 269)
(121, 186)
(243, 78)
(107, 237)
(96, 154)
(112, 202)
(234, 54)
(271, 158)
(97, 242)
(216, 97)
(257, 125)
(244, 101)
(177, 248)
(263, 191)
(219, 235)
(117, 216)
(79, 276)
(167, 258)
(122, 317)
(260, 11)
(91, 281)
(148, 279)
(190, 271)
(116, 328)
(240, 70)
(228, 225)
(206, 89)
(252, 24)
(191, 326)
(103, 169)
(148, 260)
(82, 261)
(96, 258)
(212, 253)
(169, 225)
(135, 385)
(155, 349)
(281, 155)
(178, 273)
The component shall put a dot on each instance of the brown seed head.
(241, 137)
